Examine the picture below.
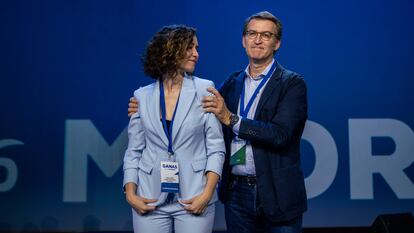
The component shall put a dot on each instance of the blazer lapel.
(269, 88)
(155, 115)
(235, 99)
(187, 95)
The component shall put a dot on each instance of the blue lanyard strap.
(245, 111)
(168, 131)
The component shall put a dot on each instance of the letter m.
(83, 140)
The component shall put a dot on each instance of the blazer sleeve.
(288, 119)
(136, 144)
(214, 141)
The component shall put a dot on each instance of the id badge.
(238, 152)
(169, 177)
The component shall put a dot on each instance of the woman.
(176, 151)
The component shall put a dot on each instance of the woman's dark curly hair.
(166, 49)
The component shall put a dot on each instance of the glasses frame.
(252, 34)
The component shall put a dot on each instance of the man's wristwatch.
(234, 118)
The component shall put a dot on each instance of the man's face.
(189, 62)
(257, 47)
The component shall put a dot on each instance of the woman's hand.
(140, 204)
(197, 204)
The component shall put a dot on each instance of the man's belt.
(251, 180)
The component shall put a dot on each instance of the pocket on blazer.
(145, 166)
(199, 165)
(290, 187)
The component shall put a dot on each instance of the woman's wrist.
(130, 194)
(210, 188)
(130, 190)
(130, 197)
(208, 192)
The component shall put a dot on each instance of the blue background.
(77, 59)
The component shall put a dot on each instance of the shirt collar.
(261, 75)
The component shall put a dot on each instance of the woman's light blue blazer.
(197, 142)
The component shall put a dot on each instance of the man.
(263, 110)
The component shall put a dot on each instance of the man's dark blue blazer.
(275, 134)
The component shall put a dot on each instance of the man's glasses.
(251, 34)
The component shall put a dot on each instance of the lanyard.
(168, 132)
(245, 111)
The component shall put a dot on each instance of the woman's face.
(189, 62)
